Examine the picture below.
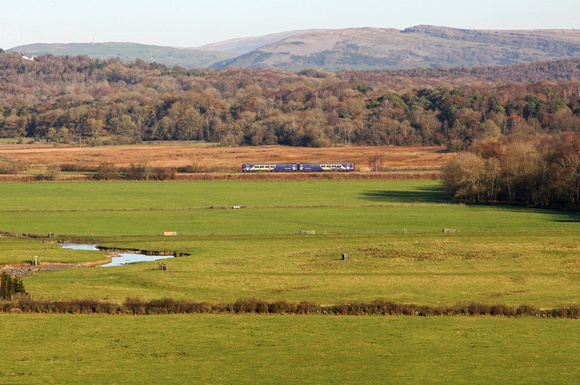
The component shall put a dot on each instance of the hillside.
(247, 44)
(188, 58)
(345, 49)
(415, 47)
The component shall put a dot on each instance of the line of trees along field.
(92, 101)
(540, 172)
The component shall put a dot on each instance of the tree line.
(91, 102)
(531, 171)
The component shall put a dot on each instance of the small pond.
(122, 259)
(80, 246)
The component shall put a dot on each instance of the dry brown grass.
(221, 158)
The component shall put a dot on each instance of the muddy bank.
(26, 269)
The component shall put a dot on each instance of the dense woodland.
(539, 172)
(91, 101)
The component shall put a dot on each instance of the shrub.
(9, 168)
(527, 310)
(50, 174)
(320, 142)
(134, 306)
(75, 167)
(281, 307)
(376, 162)
(245, 305)
(107, 171)
(262, 307)
(165, 173)
(194, 168)
(307, 308)
(139, 172)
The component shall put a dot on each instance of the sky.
(192, 23)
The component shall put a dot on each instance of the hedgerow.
(135, 306)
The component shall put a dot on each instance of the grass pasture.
(23, 250)
(275, 208)
(398, 252)
(391, 229)
(229, 349)
(539, 269)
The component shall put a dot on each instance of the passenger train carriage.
(269, 167)
(326, 167)
(290, 167)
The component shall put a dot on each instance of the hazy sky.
(190, 23)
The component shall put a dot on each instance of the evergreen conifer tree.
(10, 285)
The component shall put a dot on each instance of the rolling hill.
(420, 46)
(188, 58)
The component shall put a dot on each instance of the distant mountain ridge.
(415, 47)
(420, 46)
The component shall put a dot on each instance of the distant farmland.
(203, 158)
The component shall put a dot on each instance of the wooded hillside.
(92, 101)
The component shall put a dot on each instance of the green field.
(540, 269)
(228, 349)
(398, 252)
(332, 207)
(392, 230)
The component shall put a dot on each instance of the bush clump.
(9, 168)
(139, 172)
(107, 171)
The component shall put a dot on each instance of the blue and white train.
(290, 167)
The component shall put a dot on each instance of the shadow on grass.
(437, 194)
(559, 216)
(568, 217)
(433, 194)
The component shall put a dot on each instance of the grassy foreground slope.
(287, 349)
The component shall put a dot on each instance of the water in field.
(121, 259)
(79, 246)
(126, 258)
